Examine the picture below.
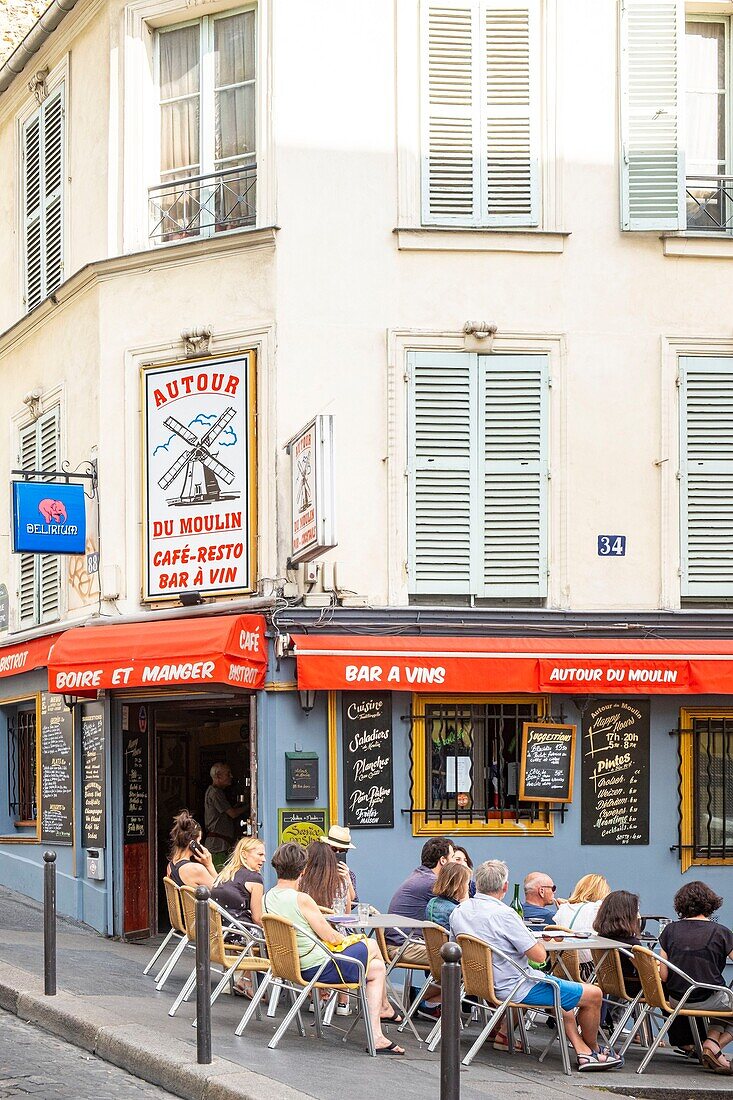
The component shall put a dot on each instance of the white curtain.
(234, 48)
(180, 101)
(705, 96)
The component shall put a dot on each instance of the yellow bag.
(355, 937)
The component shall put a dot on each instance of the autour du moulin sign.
(199, 477)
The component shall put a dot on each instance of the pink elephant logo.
(53, 511)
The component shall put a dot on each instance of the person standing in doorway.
(220, 815)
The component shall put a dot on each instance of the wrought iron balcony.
(199, 206)
(710, 204)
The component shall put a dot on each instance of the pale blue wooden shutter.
(441, 473)
(706, 476)
(513, 445)
(652, 115)
(43, 187)
(27, 604)
(39, 574)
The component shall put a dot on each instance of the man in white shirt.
(486, 917)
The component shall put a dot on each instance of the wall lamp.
(70, 701)
(307, 701)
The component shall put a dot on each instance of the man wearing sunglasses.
(539, 894)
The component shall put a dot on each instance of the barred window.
(713, 787)
(22, 807)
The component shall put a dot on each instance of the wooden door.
(136, 809)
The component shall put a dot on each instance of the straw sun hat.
(339, 838)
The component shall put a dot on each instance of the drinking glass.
(339, 905)
(363, 912)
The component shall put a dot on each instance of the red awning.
(26, 656)
(222, 649)
(621, 666)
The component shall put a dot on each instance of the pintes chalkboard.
(93, 785)
(367, 740)
(57, 771)
(135, 786)
(615, 772)
(546, 769)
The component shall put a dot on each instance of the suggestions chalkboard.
(57, 771)
(135, 786)
(548, 756)
(93, 786)
(615, 772)
(367, 741)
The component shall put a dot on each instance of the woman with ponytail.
(190, 864)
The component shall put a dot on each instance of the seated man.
(412, 897)
(487, 918)
(539, 897)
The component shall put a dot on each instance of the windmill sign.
(199, 477)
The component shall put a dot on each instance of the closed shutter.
(27, 608)
(40, 574)
(513, 456)
(510, 142)
(43, 183)
(706, 476)
(442, 484)
(652, 156)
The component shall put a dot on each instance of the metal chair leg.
(160, 950)
(274, 997)
(188, 987)
(363, 1005)
(253, 1005)
(165, 972)
(291, 1014)
(660, 1035)
(410, 1012)
(494, 1018)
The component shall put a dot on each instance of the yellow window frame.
(29, 838)
(421, 824)
(687, 787)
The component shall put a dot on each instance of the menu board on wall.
(548, 754)
(93, 784)
(615, 772)
(367, 741)
(57, 771)
(135, 786)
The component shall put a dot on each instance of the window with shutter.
(652, 157)
(480, 96)
(477, 476)
(706, 476)
(43, 200)
(39, 578)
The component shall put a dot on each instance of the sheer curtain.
(705, 98)
(234, 48)
(180, 97)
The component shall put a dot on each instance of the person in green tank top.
(285, 899)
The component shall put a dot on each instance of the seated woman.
(323, 879)
(190, 864)
(450, 889)
(239, 885)
(700, 947)
(286, 899)
(579, 912)
(618, 919)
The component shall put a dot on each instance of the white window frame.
(139, 168)
(727, 22)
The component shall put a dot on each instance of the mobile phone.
(196, 848)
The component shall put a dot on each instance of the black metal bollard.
(203, 978)
(49, 923)
(450, 1014)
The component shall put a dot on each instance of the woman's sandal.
(593, 1062)
(392, 1049)
(712, 1061)
(397, 1018)
(501, 1042)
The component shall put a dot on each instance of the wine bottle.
(516, 904)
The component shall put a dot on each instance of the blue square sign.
(48, 518)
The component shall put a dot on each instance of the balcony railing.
(710, 204)
(199, 206)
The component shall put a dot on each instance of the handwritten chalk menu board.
(135, 786)
(615, 772)
(367, 738)
(548, 755)
(57, 771)
(93, 786)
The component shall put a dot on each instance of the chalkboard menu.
(135, 786)
(93, 785)
(615, 772)
(548, 754)
(57, 771)
(367, 740)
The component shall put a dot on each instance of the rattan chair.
(282, 949)
(434, 937)
(655, 1001)
(478, 983)
(177, 932)
(610, 978)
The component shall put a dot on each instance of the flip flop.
(392, 1050)
(396, 1019)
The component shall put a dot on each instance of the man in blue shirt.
(539, 895)
(411, 898)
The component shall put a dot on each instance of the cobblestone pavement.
(34, 1063)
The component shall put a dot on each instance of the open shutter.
(32, 215)
(49, 565)
(442, 431)
(652, 110)
(450, 112)
(513, 452)
(510, 140)
(53, 159)
(706, 476)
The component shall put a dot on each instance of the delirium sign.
(48, 518)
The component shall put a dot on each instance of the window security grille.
(22, 766)
(713, 787)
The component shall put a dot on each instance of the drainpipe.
(34, 40)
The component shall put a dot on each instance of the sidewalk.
(106, 1005)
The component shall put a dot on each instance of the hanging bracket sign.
(312, 480)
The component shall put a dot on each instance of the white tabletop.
(378, 920)
(580, 943)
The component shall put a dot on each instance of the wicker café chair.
(282, 949)
(177, 932)
(478, 983)
(434, 937)
(647, 964)
(610, 978)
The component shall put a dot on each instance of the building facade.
(489, 240)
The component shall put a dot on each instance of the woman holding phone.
(190, 864)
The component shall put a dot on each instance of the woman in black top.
(190, 863)
(701, 948)
(239, 886)
(618, 919)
